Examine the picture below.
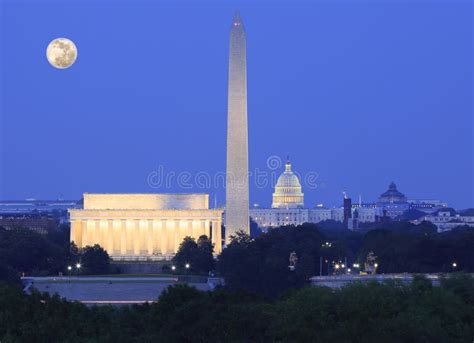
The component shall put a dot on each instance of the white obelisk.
(237, 182)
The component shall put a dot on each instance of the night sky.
(358, 93)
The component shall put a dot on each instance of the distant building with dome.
(288, 192)
(392, 195)
(288, 206)
(393, 202)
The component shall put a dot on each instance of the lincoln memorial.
(134, 227)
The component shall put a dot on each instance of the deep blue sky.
(361, 92)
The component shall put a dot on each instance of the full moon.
(61, 53)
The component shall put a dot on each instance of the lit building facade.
(273, 217)
(288, 192)
(288, 207)
(134, 227)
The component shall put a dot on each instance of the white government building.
(447, 218)
(288, 206)
(144, 226)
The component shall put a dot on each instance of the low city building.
(447, 218)
(55, 208)
(38, 223)
(33, 205)
(427, 205)
(288, 206)
(272, 217)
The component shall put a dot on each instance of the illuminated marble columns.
(123, 237)
(217, 236)
(159, 230)
(117, 226)
(76, 232)
(143, 237)
(109, 235)
(150, 238)
(133, 234)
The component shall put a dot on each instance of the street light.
(455, 264)
(337, 266)
(78, 265)
(187, 266)
(376, 265)
(355, 265)
(173, 267)
(69, 269)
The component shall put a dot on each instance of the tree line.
(260, 263)
(371, 312)
(25, 252)
(263, 299)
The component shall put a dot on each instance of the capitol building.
(288, 206)
(288, 203)
(288, 192)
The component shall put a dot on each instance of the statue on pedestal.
(371, 263)
(293, 260)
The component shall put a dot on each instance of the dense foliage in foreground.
(389, 312)
(260, 264)
(197, 255)
(27, 252)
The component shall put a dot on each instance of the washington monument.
(237, 182)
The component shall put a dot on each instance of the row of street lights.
(78, 266)
(340, 266)
(187, 266)
(70, 268)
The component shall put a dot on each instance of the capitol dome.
(288, 190)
